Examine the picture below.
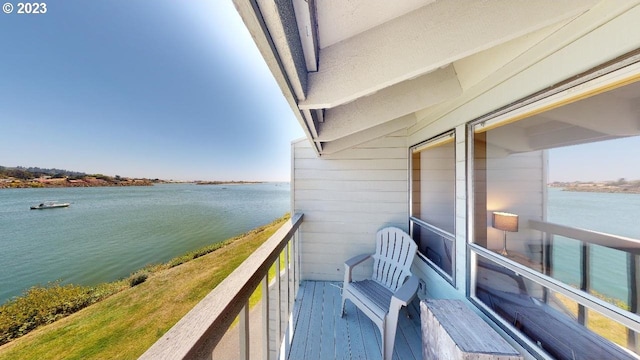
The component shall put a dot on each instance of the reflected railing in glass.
(548, 319)
(603, 265)
(434, 245)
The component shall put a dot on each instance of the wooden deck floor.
(320, 333)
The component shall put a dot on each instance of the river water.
(109, 232)
(612, 213)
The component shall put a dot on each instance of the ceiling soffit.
(377, 62)
(339, 20)
(423, 41)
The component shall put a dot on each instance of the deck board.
(327, 340)
(343, 350)
(320, 332)
(315, 328)
(302, 316)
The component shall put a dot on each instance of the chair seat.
(379, 297)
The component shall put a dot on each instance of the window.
(555, 233)
(433, 201)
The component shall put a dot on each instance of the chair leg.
(382, 327)
(344, 299)
(389, 338)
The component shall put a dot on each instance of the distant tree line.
(25, 173)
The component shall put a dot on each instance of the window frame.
(435, 141)
(599, 80)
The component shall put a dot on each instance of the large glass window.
(433, 201)
(558, 194)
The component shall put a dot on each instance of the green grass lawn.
(126, 324)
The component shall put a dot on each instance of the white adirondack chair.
(391, 285)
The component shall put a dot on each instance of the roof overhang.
(358, 70)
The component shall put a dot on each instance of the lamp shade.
(505, 221)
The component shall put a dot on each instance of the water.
(109, 232)
(611, 213)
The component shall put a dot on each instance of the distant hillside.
(34, 177)
(21, 172)
(620, 186)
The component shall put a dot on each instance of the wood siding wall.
(346, 198)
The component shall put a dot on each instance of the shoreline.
(604, 191)
(38, 184)
(620, 186)
(66, 183)
(227, 182)
(150, 273)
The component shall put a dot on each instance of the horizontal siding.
(365, 207)
(350, 175)
(347, 230)
(367, 185)
(512, 174)
(372, 218)
(346, 198)
(353, 196)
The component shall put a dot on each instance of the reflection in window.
(433, 200)
(508, 182)
(435, 245)
(572, 176)
(548, 319)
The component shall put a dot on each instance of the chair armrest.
(407, 291)
(356, 260)
(351, 263)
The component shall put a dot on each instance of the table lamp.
(505, 222)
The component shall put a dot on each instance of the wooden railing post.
(287, 269)
(278, 304)
(585, 281)
(547, 261)
(243, 327)
(265, 318)
(634, 283)
(296, 262)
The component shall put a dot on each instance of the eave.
(384, 72)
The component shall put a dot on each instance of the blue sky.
(158, 89)
(607, 160)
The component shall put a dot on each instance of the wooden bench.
(450, 330)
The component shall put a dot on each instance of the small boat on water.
(50, 205)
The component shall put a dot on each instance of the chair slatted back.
(394, 254)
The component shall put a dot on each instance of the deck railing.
(588, 238)
(196, 335)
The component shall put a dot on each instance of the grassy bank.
(598, 323)
(124, 325)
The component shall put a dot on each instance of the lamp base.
(504, 252)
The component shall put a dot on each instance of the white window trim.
(602, 80)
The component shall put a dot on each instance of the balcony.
(198, 333)
(301, 320)
(298, 319)
(320, 333)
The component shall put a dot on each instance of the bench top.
(469, 332)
